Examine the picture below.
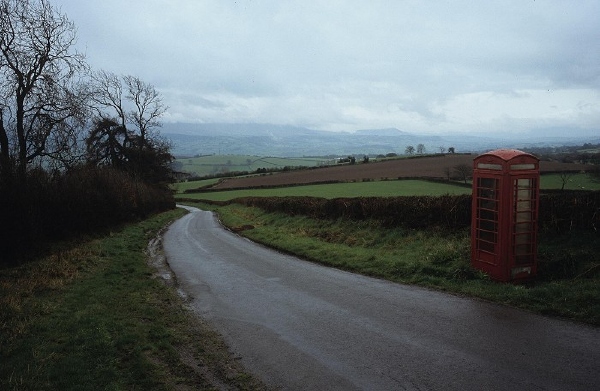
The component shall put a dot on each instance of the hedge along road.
(301, 326)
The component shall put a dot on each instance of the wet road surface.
(301, 326)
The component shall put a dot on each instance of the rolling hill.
(290, 141)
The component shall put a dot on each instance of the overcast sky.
(420, 66)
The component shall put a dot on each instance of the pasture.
(219, 164)
(418, 167)
(389, 188)
(181, 187)
(579, 181)
(340, 190)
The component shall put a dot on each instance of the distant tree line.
(420, 149)
(79, 149)
(587, 153)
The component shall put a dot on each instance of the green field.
(219, 164)
(578, 181)
(340, 190)
(369, 189)
(180, 187)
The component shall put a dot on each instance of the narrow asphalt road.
(301, 326)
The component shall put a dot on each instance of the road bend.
(301, 326)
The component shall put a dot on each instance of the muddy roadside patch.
(203, 349)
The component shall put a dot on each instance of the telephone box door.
(524, 248)
(487, 220)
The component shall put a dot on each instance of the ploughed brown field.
(425, 167)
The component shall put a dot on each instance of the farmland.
(377, 179)
(386, 188)
(341, 190)
(221, 164)
(436, 166)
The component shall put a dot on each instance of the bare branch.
(108, 93)
(148, 105)
(38, 66)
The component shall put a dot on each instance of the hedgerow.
(411, 212)
(39, 207)
(558, 211)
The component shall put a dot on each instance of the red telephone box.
(504, 214)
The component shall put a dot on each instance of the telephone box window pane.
(485, 214)
(487, 183)
(523, 227)
(487, 247)
(487, 193)
(530, 166)
(524, 205)
(524, 188)
(523, 217)
(487, 236)
(524, 194)
(522, 239)
(487, 225)
(488, 205)
(527, 185)
(489, 166)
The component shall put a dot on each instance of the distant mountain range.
(290, 141)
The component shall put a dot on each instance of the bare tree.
(463, 171)
(442, 149)
(121, 102)
(421, 149)
(409, 150)
(41, 98)
(108, 95)
(448, 173)
(565, 177)
(148, 105)
(129, 101)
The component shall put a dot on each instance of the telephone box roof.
(507, 154)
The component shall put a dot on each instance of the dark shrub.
(39, 207)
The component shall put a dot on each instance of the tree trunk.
(22, 156)
(4, 149)
(3, 140)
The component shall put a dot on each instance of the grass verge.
(94, 316)
(568, 283)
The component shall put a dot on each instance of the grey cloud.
(344, 64)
